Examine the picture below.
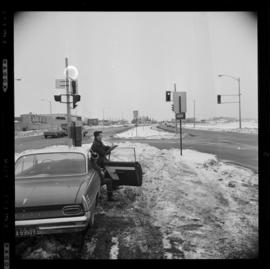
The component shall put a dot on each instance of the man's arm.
(111, 148)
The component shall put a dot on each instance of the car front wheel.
(92, 219)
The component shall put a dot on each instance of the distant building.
(44, 121)
(91, 122)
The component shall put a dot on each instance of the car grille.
(28, 213)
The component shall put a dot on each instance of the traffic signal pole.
(68, 104)
(180, 126)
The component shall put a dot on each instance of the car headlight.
(71, 210)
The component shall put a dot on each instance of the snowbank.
(146, 132)
(197, 199)
(248, 126)
(29, 133)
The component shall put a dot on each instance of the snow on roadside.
(146, 132)
(194, 198)
(248, 126)
(20, 134)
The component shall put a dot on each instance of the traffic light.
(57, 98)
(168, 96)
(219, 99)
(76, 98)
(172, 107)
(74, 87)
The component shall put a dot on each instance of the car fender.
(84, 188)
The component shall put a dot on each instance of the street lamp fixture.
(239, 93)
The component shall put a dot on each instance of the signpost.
(179, 108)
(176, 103)
(71, 73)
(60, 83)
(135, 116)
(181, 115)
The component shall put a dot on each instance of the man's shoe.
(110, 197)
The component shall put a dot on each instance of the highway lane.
(241, 149)
(36, 142)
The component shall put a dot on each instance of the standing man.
(102, 151)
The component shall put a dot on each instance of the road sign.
(135, 114)
(183, 96)
(180, 116)
(60, 83)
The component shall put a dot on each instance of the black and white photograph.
(136, 135)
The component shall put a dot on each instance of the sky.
(127, 61)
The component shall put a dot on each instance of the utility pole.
(103, 118)
(194, 112)
(68, 105)
(50, 107)
(175, 113)
(240, 125)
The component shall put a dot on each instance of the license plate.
(25, 232)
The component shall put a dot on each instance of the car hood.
(47, 191)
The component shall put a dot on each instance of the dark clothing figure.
(99, 163)
(101, 150)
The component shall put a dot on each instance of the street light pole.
(239, 94)
(68, 104)
(103, 118)
(194, 112)
(50, 107)
(240, 126)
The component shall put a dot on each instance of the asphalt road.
(241, 149)
(37, 142)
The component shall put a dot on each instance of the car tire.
(45, 136)
(92, 219)
(97, 198)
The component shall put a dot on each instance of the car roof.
(84, 149)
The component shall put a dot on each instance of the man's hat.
(96, 133)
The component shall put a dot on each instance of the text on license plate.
(25, 231)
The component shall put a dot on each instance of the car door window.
(25, 165)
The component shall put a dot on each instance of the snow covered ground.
(151, 132)
(197, 199)
(146, 132)
(28, 133)
(204, 209)
(248, 126)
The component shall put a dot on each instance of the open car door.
(125, 173)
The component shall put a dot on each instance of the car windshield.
(50, 164)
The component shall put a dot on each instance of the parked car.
(57, 189)
(55, 132)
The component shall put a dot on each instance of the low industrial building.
(45, 121)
